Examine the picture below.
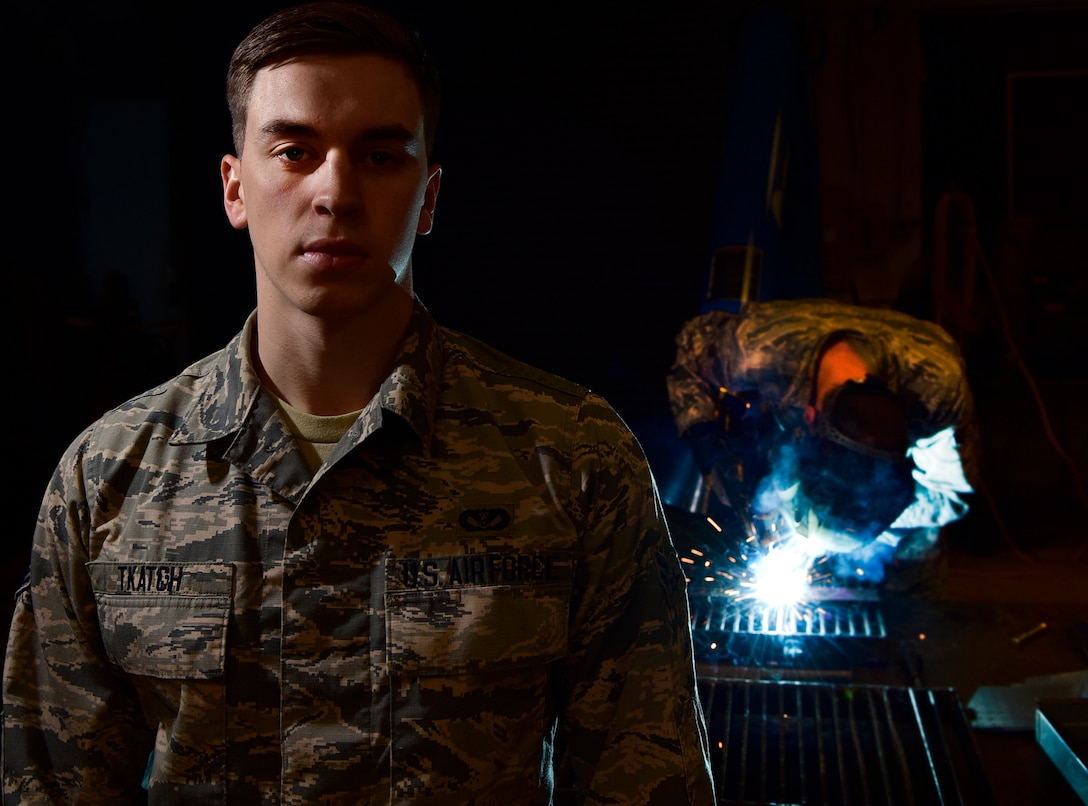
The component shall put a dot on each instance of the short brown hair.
(329, 27)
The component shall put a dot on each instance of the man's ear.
(233, 198)
(430, 197)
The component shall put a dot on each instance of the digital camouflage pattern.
(771, 347)
(474, 600)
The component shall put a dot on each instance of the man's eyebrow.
(280, 127)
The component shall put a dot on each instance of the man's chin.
(332, 305)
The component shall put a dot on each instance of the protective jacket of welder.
(768, 352)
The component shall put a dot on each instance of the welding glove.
(942, 486)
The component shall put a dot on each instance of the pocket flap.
(166, 620)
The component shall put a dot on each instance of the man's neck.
(329, 367)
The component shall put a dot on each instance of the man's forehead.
(336, 88)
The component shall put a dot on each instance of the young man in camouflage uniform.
(354, 557)
(867, 411)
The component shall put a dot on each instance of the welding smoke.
(867, 564)
(776, 491)
(858, 552)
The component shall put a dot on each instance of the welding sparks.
(778, 575)
(781, 576)
(782, 563)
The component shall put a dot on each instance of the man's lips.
(332, 253)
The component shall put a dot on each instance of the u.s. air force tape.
(474, 570)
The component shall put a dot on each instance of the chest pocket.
(450, 629)
(165, 620)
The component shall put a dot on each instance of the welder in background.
(857, 421)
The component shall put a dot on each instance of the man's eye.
(381, 158)
(292, 154)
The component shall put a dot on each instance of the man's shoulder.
(178, 389)
(163, 405)
(495, 367)
(527, 398)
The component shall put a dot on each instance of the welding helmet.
(854, 475)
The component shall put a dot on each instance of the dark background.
(582, 149)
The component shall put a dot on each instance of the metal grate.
(819, 743)
(719, 614)
(807, 635)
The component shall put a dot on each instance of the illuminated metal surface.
(1061, 730)
(825, 635)
(714, 615)
(756, 603)
(817, 743)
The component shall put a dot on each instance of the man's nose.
(338, 192)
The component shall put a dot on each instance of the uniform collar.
(230, 398)
(226, 389)
(410, 392)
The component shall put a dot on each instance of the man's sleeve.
(946, 459)
(72, 728)
(705, 348)
(630, 715)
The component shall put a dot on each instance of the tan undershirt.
(316, 435)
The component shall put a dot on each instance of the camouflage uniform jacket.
(772, 347)
(477, 583)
